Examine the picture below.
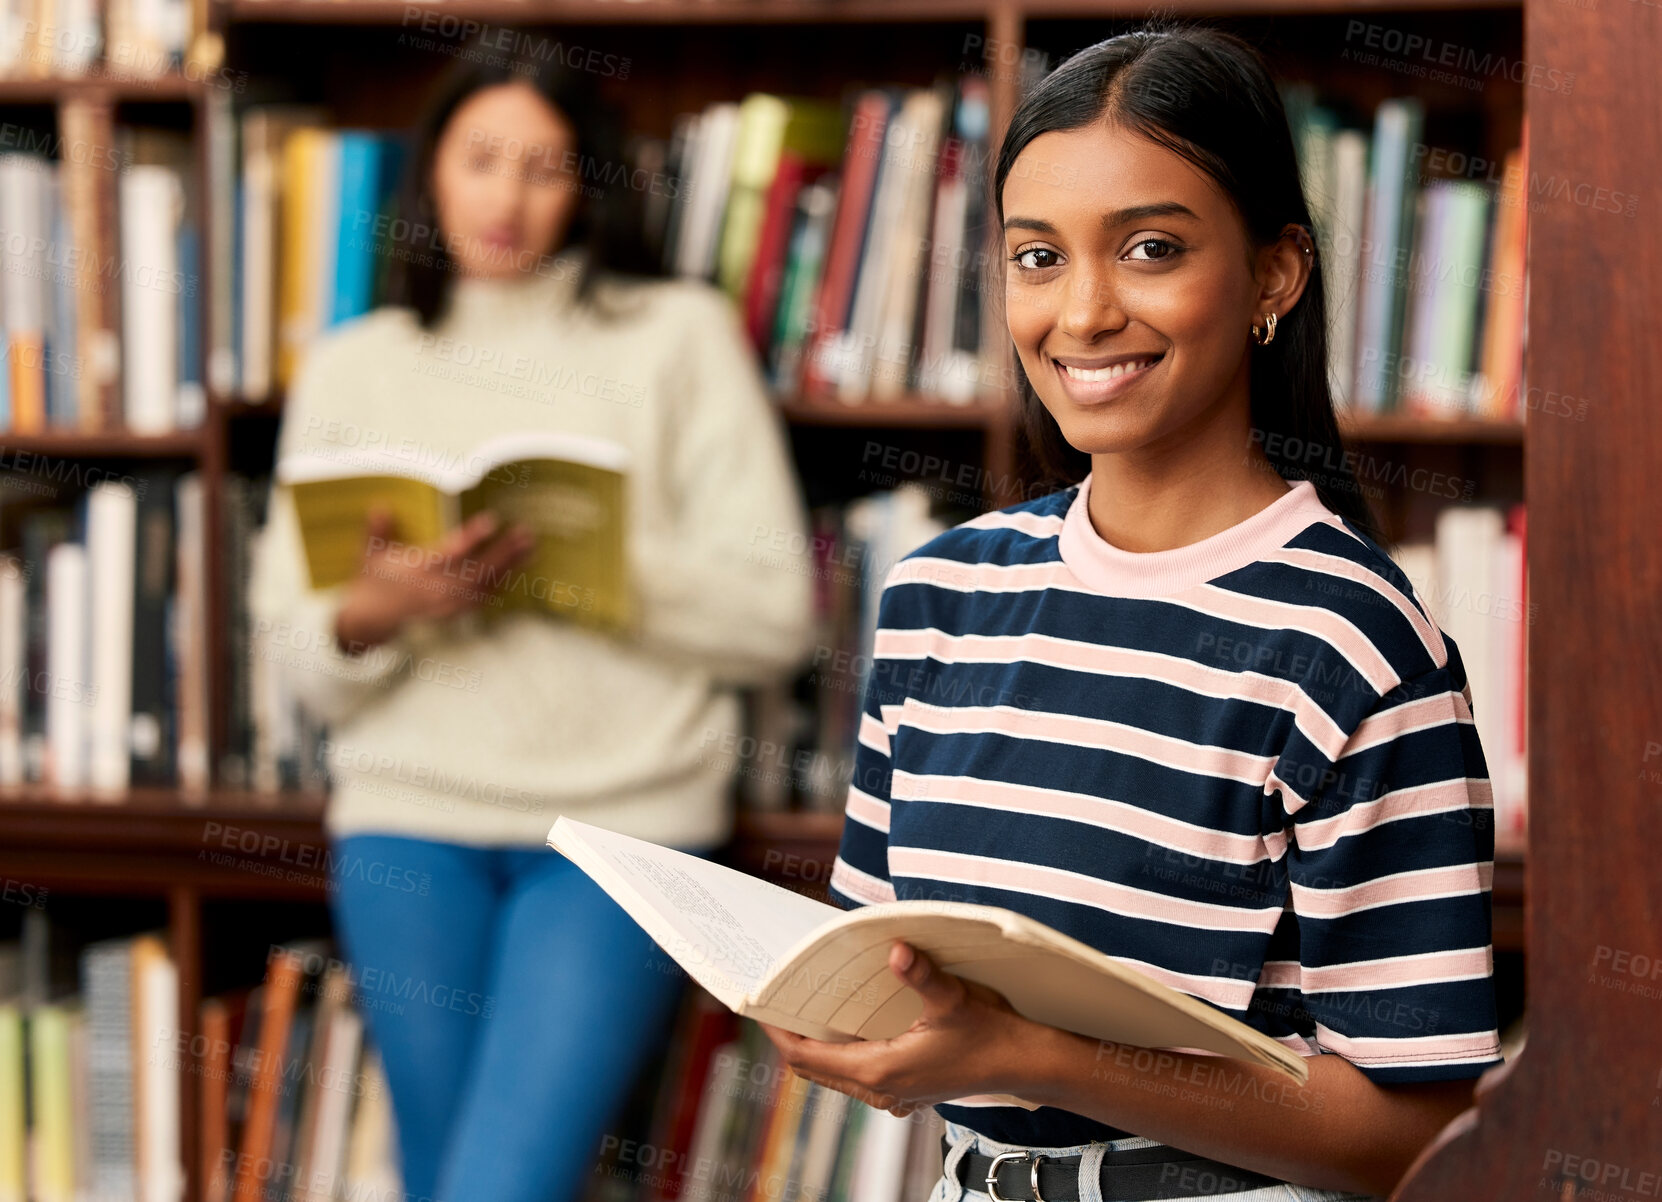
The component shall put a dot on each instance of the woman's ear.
(1284, 269)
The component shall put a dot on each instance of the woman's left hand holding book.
(462, 571)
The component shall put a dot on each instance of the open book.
(568, 489)
(781, 958)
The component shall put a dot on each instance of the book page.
(725, 928)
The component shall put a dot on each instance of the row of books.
(1424, 274)
(727, 1121)
(66, 38)
(801, 754)
(310, 207)
(89, 1079)
(1472, 577)
(850, 236)
(293, 1104)
(103, 609)
(271, 742)
(100, 303)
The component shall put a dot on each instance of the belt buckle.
(1033, 1176)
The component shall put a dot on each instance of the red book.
(767, 267)
(848, 228)
(283, 977)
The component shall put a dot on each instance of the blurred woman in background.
(525, 1000)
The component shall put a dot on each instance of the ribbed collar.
(1108, 569)
(490, 304)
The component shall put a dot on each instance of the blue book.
(360, 186)
(63, 373)
(192, 398)
(1383, 290)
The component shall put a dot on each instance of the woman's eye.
(1021, 259)
(1152, 248)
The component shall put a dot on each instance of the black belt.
(1128, 1176)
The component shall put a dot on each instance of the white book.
(1419, 342)
(15, 16)
(945, 268)
(112, 530)
(327, 1157)
(151, 207)
(14, 668)
(68, 688)
(24, 180)
(707, 183)
(1418, 562)
(1509, 623)
(880, 1164)
(259, 257)
(893, 350)
(877, 257)
(187, 631)
(1344, 255)
(79, 39)
(1377, 334)
(156, 1070)
(1468, 538)
(773, 955)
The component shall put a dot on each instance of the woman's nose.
(1091, 306)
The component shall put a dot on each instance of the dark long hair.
(1208, 96)
(608, 222)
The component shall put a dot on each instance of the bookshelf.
(166, 843)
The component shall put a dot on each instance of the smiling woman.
(1298, 836)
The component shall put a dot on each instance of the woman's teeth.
(1108, 373)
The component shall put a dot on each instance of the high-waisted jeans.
(965, 1141)
(513, 1003)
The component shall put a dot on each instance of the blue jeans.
(513, 1003)
(965, 1141)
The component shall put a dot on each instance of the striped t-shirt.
(1246, 766)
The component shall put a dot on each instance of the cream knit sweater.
(458, 733)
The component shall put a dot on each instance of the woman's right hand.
(464, 570)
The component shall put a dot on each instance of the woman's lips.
(1089, 387)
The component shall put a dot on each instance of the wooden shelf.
(114, 87)
(115, 444)
(1476, 431)
(154, 840)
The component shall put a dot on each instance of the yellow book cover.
(297, 316)
(570, 490)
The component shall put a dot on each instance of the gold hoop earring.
(1269, 336)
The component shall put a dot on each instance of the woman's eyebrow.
(1111, 220)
